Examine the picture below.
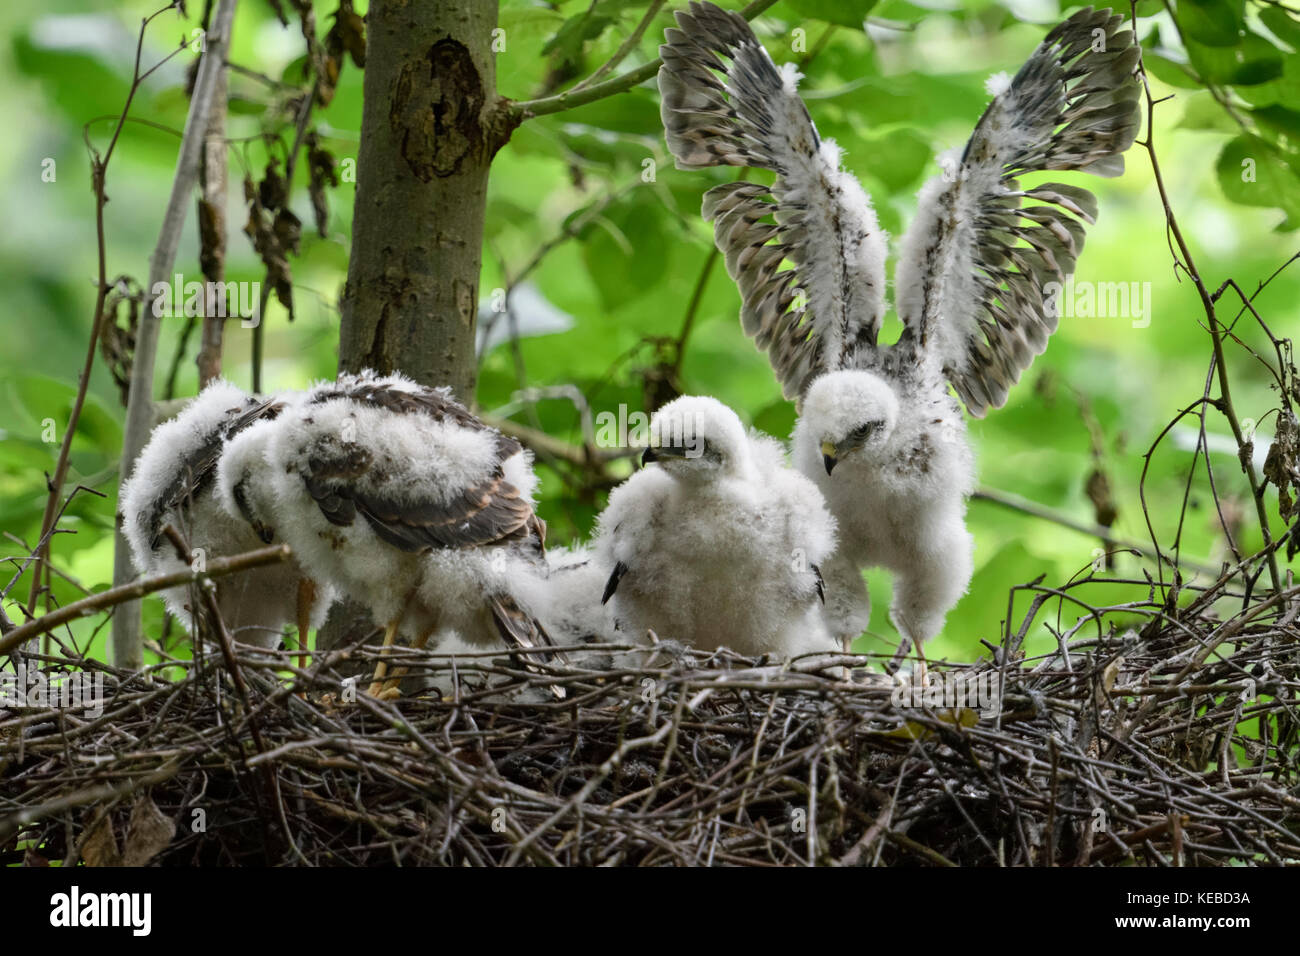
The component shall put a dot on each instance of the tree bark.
(212, 231)
(430, 126)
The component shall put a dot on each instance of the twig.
(213, 177)
(627, 46)
(1224, 402)
(558, 102)
(552, 447)
(114, 597)
(139, 412)
(1015, 502)
(98, 169)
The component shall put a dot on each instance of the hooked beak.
(663, 451)
(828, 456)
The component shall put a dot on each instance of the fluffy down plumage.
(566, 593)
(977, 281)
(175, 481)
(716, 542)
(397, 496)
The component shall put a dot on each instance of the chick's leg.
(381, 669)
(391, 690)
(306, 603)
(847, 607)
(390, 636)
(930, 584)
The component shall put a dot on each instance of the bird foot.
(388, 689)
(914, 673)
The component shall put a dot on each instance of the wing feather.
(198, 469)
(975, 277)
(519, 629)
(806, 252)
(492, 511)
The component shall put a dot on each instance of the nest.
(1173, 742)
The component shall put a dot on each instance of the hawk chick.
(175, 482)
(978, 277)
(716, 542)
(397, 496)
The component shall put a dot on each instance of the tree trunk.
(428, 133)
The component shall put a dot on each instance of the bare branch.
(1224, 402)
(626, 47)
(117, 596)
(581, 95)
(139, 412)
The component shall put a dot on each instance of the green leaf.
(896, 157)
(25, 456)
(625, 251)
(1203, 112)
(1253, 173)
(81, 85)
(574, 33)
(1285, 90)
(636, 111)
(1211, 22)
(527, 19)
(1281, 120)
(1284, 24)
(846, 13)
(295, 71)
(48, 403)
(42, 397)
(1170, 71)
(1258, 62)
(245, 107)
(1253, 60)
(776, 419)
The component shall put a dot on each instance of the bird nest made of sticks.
(1173, 742)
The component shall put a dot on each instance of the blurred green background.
(894, 95)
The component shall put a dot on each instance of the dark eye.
(862, 431)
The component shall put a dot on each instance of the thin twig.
(571, 98)
(113, 597)
(1224, 402)
(139, 412)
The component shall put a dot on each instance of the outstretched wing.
(724, 102)
(197, 471)
(975, 279)
(490, 511)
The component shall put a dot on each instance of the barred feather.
(487, 511)
(519, 629)
(807, 252)
(976, 261)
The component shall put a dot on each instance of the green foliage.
(1248, 57)
(892, 98)
(846, 13)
